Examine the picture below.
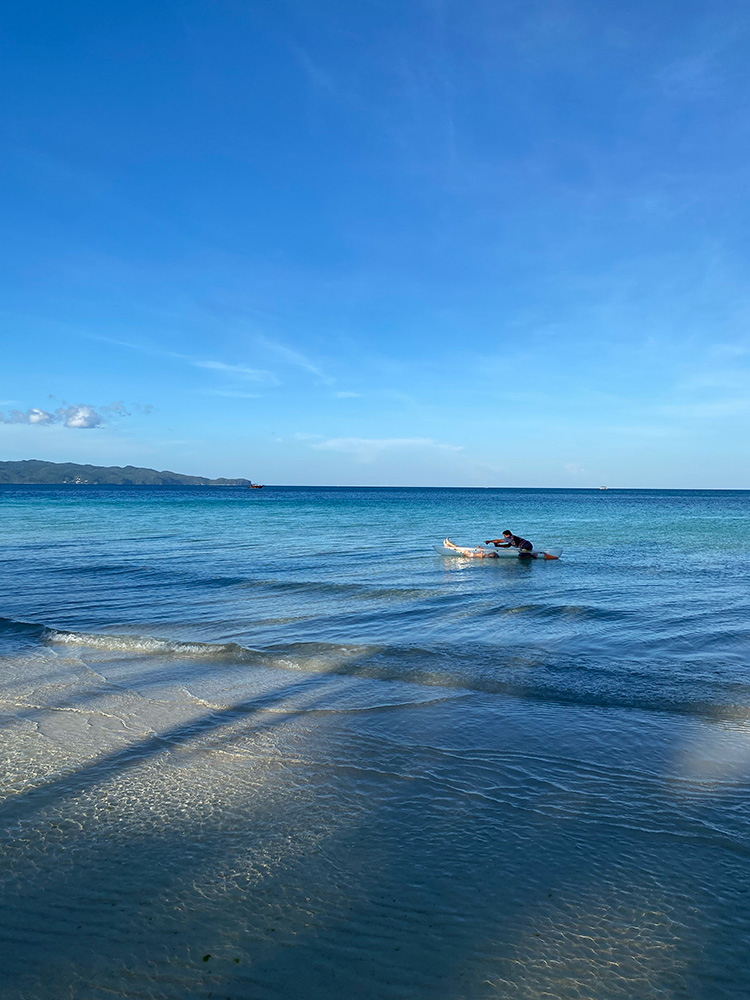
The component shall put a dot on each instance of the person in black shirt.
(511, 541)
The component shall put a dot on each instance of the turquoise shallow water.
(649, 605)
(269, 744)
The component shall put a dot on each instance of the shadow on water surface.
(316, 852)
(420, 851)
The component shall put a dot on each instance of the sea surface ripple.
(648, 607)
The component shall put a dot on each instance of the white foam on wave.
(142, 644)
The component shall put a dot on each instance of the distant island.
(33, 472)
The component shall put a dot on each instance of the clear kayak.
(491, 552)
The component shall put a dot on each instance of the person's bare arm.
(498, 543)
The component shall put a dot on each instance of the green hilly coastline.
(33, 472)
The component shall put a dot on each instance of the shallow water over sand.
(354, 776)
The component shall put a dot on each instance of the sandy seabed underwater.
(239, 766)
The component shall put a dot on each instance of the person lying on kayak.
(476, 553)
(511, 541)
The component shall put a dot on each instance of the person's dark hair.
(506, 532)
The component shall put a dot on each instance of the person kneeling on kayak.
(511, 541)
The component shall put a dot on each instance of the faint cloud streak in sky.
(368, 449)
(294, 358)
(242, 371)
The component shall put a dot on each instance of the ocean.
(269, 744)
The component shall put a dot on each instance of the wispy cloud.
(347, 395)
(691, 79)
(730, 350)
(241, 371)
(294, 358)
(720, 380)
(80, 416)
(368, 449)
(717, 409)
(320, 79)
(207, 364)
(574, 469)
(32, 416)
(231, 394)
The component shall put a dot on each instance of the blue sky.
(484, 243)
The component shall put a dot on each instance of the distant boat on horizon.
(604, 487)
(255, 486)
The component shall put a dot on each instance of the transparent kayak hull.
(490, 552)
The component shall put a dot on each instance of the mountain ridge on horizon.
(32, 472)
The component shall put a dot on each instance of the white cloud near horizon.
(368, 449)
(79, 416)
(84, 417)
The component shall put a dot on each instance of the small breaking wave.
(15, 634)
(148, 645)
(535, 674)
